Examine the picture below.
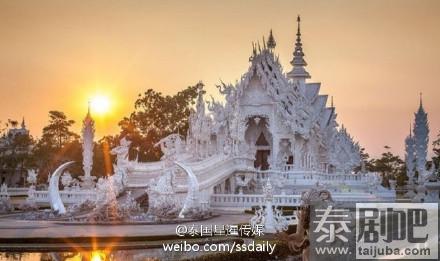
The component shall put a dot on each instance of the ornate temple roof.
(299, 105)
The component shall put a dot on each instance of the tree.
(58, 132)
(365, 159)
(102, 159)
(57, 144)
(390, 166)
(15, 153)
(155, 117)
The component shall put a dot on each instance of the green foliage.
(15, 155)
(57, 132)
(57, 144)
(102, 159)
(364, 159)
(155, 117)
(390, 166)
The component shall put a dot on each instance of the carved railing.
(68, 197)
(311, 178)
(209, 171)
(288, 167)
(249, 200)
(218, 167)
(17, 191)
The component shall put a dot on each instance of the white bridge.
(215, 170)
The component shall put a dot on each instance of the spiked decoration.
(271, 41)
(298, 61)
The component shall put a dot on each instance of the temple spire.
(23, 124)
(89, 104)
(298, 61)
(88, 134)
(271, 43)
(421, 136)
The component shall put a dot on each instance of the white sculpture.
(421, 136)
(416, 152)
(121, 151)
(54, 195)
(242, 181)
(410, 158)
(106, 190)
(31, 195)
(32, 180)
(5, 200)
(269, 216)
(162, 200)
(66, 179)
(32, 177)
(4, 194)
(122, 161)
(171, 146)
(191, 201)
(88, 132)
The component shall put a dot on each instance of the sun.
(98, 256)
(100, 104)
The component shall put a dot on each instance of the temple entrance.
(263, 152)
(261, 159)
(258, 137)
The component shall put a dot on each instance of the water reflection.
(98, 255)
(56, 256)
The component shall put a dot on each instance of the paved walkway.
(19, 229)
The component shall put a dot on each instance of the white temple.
(272, 124)
(88, 133)
(273, 133)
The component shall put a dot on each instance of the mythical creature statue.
(242, 181)
(219, 113)
(4, 191)
(5, 202)
(269, 215)
(298, 242)
(32, 176)
(122, 161)
(121, 151)
(171, 146)
(66, 179)
(162, 200)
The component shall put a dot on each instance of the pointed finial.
(23, 124)
(264, 43)
(298, 61)
(410, 130)
(332, 104)
(89, 105)
(271, 41)
(421, 99)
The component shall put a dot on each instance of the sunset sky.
(374, 57)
